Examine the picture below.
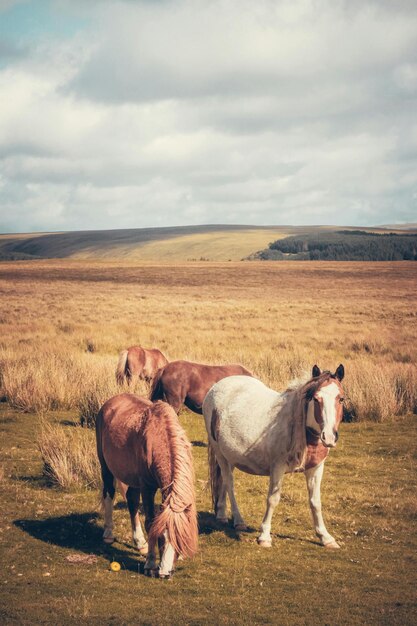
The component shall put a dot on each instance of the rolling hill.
(171, 244)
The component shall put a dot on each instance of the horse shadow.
(79, 532)
(208, 524)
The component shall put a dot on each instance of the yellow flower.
(115, 566)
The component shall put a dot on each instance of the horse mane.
(301, 392)
(178, 515)
(156, 391)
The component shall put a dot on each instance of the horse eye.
(341, 400)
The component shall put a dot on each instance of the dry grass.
(63, 325)
(214, 246)
(69, 456)
(61, 328)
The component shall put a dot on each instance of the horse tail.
(178, 516)
(215, 477)
(121, 369)
(157, 388)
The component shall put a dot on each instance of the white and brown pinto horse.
(139, 363)
(263, 432)
(143, 445)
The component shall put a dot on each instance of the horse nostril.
(323, 436)
(336, 436)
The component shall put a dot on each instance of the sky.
(131, 114)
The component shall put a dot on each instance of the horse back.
(136, 359)
(240, 414)
(119, 430)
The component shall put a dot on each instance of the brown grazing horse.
(182, 382)
(138, 363)
(143, 445)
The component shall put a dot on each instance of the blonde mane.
(178, 515)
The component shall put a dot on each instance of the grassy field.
(62, 325)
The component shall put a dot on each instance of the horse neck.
(293, 408)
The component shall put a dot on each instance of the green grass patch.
(369, 505)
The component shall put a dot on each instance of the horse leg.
(274, 496)
(221, 505)
(313, 478)
(227, 478)
(148, 495)
(139, 541)
(174, 400)
(109, 491)
(168, 558)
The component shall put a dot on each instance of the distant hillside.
(343, 245)
(187, 243)
(174, 244)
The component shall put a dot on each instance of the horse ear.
(316, 371)
(340, 372)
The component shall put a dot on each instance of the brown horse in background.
(138, 363)
(143, 445)
(183, 382)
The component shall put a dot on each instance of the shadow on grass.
(70, 423)
(80, 532)
(313, 542)
(199, 444)
(208, 524)
(40, 481)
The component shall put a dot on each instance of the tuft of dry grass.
(380, 393)
(69, 456)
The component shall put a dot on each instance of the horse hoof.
(333, 545)
(152, 573)
(222, 520)
(264, 544)
(108, 540)
(165, 576)
(241, 528)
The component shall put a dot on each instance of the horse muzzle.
(329, 441)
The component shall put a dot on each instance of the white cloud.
(195, 112)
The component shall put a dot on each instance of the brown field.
(62, 325)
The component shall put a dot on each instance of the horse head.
(324, 398)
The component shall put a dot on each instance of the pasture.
(62, 326)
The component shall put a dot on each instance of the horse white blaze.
(327, 395)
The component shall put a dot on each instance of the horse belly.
(250, 470)
(241, 452)
(122, 462)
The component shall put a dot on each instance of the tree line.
(343, 245)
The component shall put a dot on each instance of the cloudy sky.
(128, 114)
